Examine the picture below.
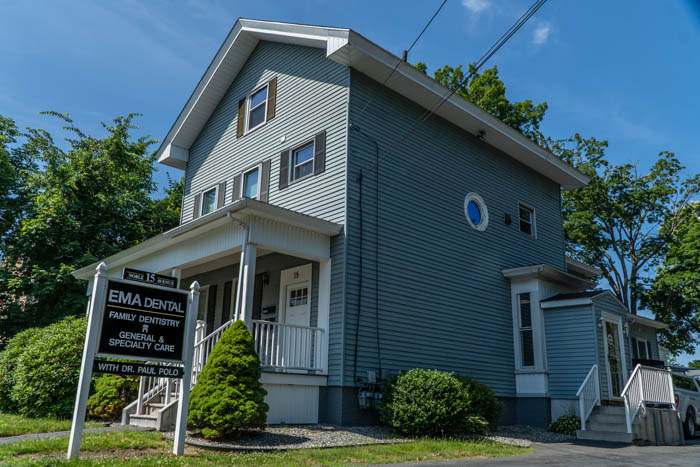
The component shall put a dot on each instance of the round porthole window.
(476, 212)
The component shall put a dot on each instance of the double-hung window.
(302, 161)
(527, 349)
(527, 219)
(641, 349)
(257, 108)
(251, 183)
(209, 199)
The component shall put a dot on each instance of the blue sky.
(625, 71)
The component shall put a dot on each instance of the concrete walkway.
(586, 454)
(58, 434)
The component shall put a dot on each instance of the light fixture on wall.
(626, 329)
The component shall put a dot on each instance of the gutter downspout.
(238, 313)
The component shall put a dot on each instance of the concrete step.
(620, 427)
(607, 418)
(610, 410)
(610, 436)
(148, 421)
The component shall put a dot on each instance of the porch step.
(611, 410)
(148, 421)
(617, 427)
(599, 435)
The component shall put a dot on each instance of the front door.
(614, 358)
(295, 295)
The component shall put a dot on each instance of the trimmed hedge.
(40, 368)
(112, 394)
(429, 403)
(229, 397)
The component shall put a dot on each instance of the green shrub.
(8, 363)
(427, 403)
(483, 400)
(566, 425)
(228, 397)
(112, 394)
(47, 369)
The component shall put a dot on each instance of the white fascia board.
(641, 320)
(566, 303)
(460, 111)
(546, 272)
(583, 269)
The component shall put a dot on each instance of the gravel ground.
(278, 437)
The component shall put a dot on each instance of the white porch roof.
(220, 233)
(349, 48)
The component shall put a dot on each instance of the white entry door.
(295, 296)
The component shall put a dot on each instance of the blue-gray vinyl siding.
(637, 331)
(439, 300)
(312, 93)
(606, 303)
(571, 352)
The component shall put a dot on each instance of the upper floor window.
(476, 212)
(209, 199)
(527, 219)
(303, 161)
(527, 348)
(257, 108)
(251, 183)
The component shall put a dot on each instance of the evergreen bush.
(483, 400)
(47, 369)
(229, 398)
(112, 394)
(8, 364)
(566, 425)
(428, 403)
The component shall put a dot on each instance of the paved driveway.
(589, 454)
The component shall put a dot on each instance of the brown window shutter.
(236, 188)
(197, 206)
(271, 98)
(221, 195)
(320, 153)
(241, 118)
(284, 169)
(265, 181)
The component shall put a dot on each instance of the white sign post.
(168, 342)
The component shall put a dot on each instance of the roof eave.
(544, 271)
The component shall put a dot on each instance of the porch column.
(246, 282)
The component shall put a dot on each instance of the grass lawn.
(151, 448)
(11, 425)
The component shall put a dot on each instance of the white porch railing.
(646, 385)
(289, 346)
(588, 395)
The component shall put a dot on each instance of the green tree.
(81, 204)
(674, 296)
(694, 364)
(614, 223)
(488, 91)
(229, 397)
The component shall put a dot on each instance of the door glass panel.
(298, 296)
(614, 359)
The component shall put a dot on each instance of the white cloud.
(476, 6)
(541, 34)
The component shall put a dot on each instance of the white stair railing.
(289, 346)
(588, 395)
(646, 385)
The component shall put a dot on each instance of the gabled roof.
(349, 48)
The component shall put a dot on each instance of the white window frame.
(646, 348)
(482, 208)
(533, 220)
(293, 166)
(248, 128)
(216, 199)
(244, 173)
(530, 328)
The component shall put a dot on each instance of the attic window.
(257, 108)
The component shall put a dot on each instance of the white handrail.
(289, 346)
(588, 395)
(646, 385)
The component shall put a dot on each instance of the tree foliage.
(675, 294)
(70, 208)
(488, 91)
(229, 398)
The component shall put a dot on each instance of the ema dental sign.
(143, 322)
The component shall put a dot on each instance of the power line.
(415, 41)
(481, 62)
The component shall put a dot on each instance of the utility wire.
(415, 41)
(480, 63)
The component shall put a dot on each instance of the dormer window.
(257, 108)
(209, 200)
